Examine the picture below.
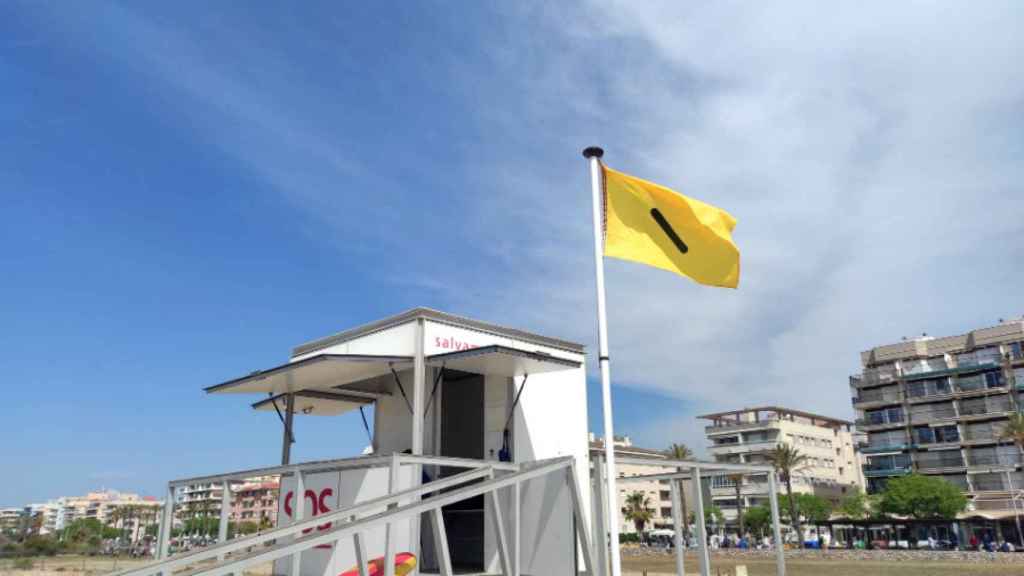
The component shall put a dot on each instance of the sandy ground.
(804, 567)
(89, 566)
(96, 566)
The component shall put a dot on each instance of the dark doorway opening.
(462, 436)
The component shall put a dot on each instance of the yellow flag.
(653, 225)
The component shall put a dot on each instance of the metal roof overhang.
(320, 372)
(316, 402)
(497, 360)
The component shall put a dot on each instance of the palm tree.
(681, 452)
(638, 510)
(787, 462)
(737, 481)
(115, 517)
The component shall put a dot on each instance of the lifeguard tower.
(479, 459)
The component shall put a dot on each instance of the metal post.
(360, 544)
(702, 536)
(498, 521)
(593, 155)
(444, 560)
(516, 529)
(677, 527)
(419, 387)
(1013, 499)
(225, 512)
(389, 535)
(166, 525)
(286, 445)
(780, 552)
(298, 512)
(581, 522)
(600, 530)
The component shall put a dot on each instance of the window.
(947, 434)
(993, 379)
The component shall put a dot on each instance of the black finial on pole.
(593, 152)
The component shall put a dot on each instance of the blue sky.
(189, 190)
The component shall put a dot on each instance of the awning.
(315, 403)
(321, 372)
(500, 360)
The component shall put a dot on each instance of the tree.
(922, 498)
(787, 462)
(813, 508)
(681, 452)
(713, 515)
(856, 506)
(638, 510)
(737, 481)
(1014, 429)
(758, 518)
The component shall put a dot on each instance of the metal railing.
(990, 459)
(942, 413)
(975, 409)
(866, 396)
(940, 463)
(880, 420)
(351, 522)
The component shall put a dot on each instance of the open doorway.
(462, 436)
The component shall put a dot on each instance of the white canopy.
(315, 403)
(320, 372)
(497, 360)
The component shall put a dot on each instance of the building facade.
(749, 436)
(937, 406)
(657, 492)
(255, 501)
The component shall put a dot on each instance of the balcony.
(926, 416)
(877, 396)
(733, 427)
(879, 448)
(941, 464)
(995, 408)
(743, 448)
(891, 471)
(880, 420)
(874, 377)
(996, 460)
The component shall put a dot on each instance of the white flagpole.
(593, 154)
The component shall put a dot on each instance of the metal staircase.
(348, 525)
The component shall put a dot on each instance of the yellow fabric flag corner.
(654, 225)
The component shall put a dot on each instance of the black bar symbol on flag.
(656, 214)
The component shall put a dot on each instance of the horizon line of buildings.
(254, 500)
(934, 406)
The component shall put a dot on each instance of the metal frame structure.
(684, 470)
(482, 478)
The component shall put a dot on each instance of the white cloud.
(869, 153)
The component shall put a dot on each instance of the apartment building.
(658, 493)
(199, 500)
(255, 501)
(749, 435)
(937, 406)
(10, 520)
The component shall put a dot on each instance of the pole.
(780, 553)
(1013, 500)
(702, 530)
(677, 526)
(593, 154)
(286, 445)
